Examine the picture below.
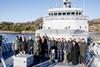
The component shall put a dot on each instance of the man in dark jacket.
(60, 47)
(23, 45)
(44, 49)
(54, 50)
(75, 53)
(30, 45)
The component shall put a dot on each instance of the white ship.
(65, 22)
(62, 22)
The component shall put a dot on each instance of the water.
(95, 36)
(11, 37)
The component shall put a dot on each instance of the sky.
(29, 10)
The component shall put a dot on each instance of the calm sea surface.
(11, 37)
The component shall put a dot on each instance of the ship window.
(79, 13)
(59, 13)
(51, 14)
(80, 27)
(64, 13)
(73, 13)
(55, 14)
(66, 28)
(76, 13)
(49, 27)
(68, 13)
(69, 27)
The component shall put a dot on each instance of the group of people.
(60, 49)
(63, 50)
(21, 45)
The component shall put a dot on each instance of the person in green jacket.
(16, 46)
(37, 50)
(83, 52)
(30, 45)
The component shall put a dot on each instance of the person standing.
(59, 43)
(44, 49)
(69, 46)
(83, 52)
(16, 46)
(23, 45)
(65, 50)
(75, 53)
(54, 50)
(62, 49)
(37, 52)
(20, 41)
(30, 45)
(49, 46)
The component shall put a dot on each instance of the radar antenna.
(67, 3)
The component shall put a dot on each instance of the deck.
(64, 64)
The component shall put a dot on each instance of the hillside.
(94, 25)
(21, 27)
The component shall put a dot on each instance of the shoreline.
(13, 32)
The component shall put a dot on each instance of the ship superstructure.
(65, 22)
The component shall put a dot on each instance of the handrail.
(90, 62)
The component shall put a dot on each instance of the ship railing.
(90, 60)
(7, 47)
